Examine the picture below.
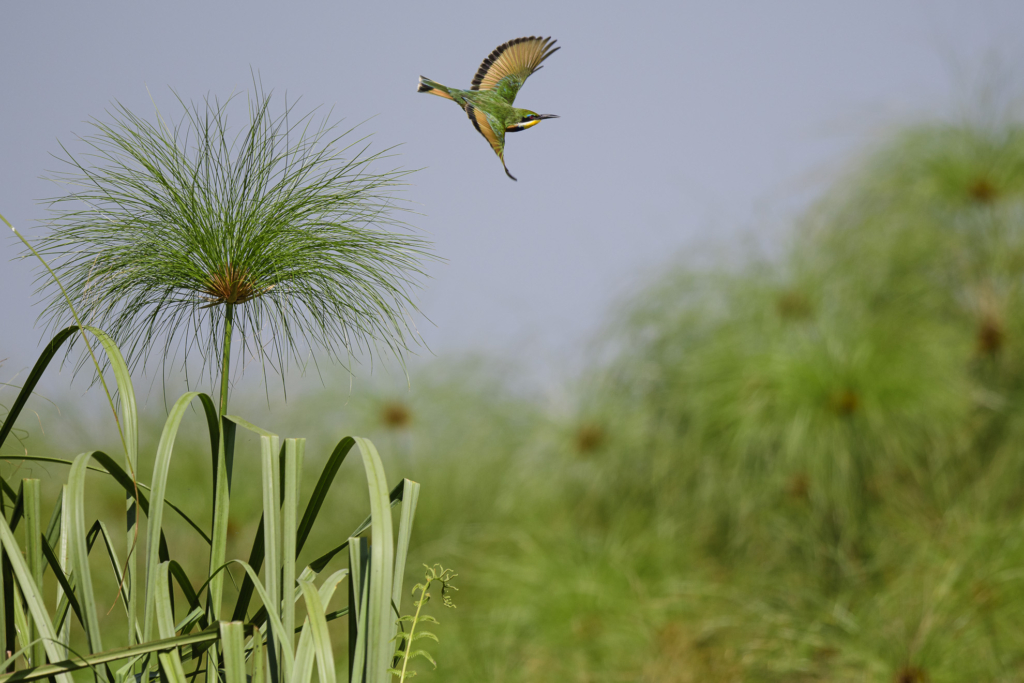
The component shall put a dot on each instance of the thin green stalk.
(412, 630)
(228, 317)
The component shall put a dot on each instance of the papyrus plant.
(173, 237)
(177, 236)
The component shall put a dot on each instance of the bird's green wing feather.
(510, 64)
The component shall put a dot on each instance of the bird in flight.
(488, 102)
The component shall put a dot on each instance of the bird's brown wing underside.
(518, 58)
(484, 127)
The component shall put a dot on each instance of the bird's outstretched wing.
(482, 123)
(510, 64)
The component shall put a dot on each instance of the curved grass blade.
(317, 623)
(323, 485)
(313, 507)
(127, 427)
(66, 593)
(382, 563)
(63, 594)
(79, 552)
(110, 467)
(33, 378)
(179, 575)
(32, 597)
(277, 642)
(161, 468)
(304, 653)
(256, 561)
(257, 555)
(287, 658)
(170, 660)
(319, 563)
(291, 480)
(74, 663)
(34, 557)
(358, 593)
(410, 498)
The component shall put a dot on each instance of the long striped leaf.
(382, 562)
(76, 662)
(276, 627)
(161, 467)
(291, 481)
(305, 653)
(33, 597)
(232, 638)
(78, 552)
(410, 498)
(319, 563)
(358, 594)
(170, 660)
(277, 642)
(33, 378)
(34, 556)
(318, 629)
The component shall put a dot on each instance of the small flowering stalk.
(403, 649)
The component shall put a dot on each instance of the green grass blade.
(130, 439)
(318, 628)
(178, 573)
(21, 624)
(319, 563)
(258, 552)
(53, 527)
(33, 598)
(221, 511)
(358, 595)
(111, 468)
(232, 642)
(259, 664)
(305, 657)
(410, 498)
(7, 632)
(256, 562)
(65, 591)
(276, 627)
(270, 457)
(161, 467)
(78, 551)
(33, 378)
(63, 594)
(34, 556)
(170, 660)
(291, 483)
(382, 562)
(323, 486)
(74, 663)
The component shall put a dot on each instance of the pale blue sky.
(683, 125)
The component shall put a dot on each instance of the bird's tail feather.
(434, 88)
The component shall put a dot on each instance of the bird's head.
(527, 118)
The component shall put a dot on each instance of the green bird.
(488, 102)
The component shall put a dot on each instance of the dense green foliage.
(808, 468)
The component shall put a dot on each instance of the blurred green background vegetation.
(806, 467)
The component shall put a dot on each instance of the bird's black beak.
(547, 116)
